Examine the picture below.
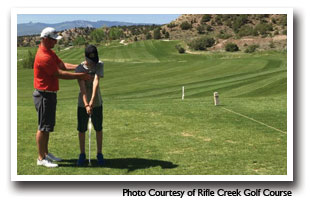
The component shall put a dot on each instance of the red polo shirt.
(45, 65)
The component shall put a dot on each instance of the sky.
(135, 18)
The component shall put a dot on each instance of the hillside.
(265, 31)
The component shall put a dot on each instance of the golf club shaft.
(89, 137)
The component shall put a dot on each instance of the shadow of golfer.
(130, 164)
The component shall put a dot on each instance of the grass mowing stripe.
(254, 120)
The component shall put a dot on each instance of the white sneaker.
(51, 157)
(46, 163)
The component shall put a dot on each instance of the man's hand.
(69, 75)
(84, 76)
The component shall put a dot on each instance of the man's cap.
(92, 53)
(50, 33)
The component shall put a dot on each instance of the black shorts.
(96, 119)
(45, 104)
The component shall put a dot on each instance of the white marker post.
(216, 98)
(183, 93)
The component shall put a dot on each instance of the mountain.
(36, 28)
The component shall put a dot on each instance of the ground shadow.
(130, 164)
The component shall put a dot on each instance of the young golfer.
(90, 102)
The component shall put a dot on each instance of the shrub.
(218, 20)
(171, 25)
(231, 47)
(29, 60)
(157, 34)
(251, 48)
(148, 36)
(263, 28)
(201, 43)
(185, 26)
(200, 29)
(206, 18)
(245, 30)
(283, 20)
(209, 28)
(167, 35)
(164, 31)
(272, 45)
(238, 22)
(223, 35)
(135, 39)
(180, 49)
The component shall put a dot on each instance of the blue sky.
(136, 18)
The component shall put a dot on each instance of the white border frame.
(159, 10)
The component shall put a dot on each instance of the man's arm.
(95, 88)
(70, 76)
(67, 66)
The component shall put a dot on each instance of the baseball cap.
(50, 33)
(92, 53)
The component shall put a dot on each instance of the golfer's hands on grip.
(89, 110)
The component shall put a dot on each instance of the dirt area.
(277, 42)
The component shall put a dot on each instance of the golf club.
(89, 137)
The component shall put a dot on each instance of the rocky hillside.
(264, 30)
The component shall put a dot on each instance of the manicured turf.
(149, 130)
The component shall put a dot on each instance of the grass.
(149, 130)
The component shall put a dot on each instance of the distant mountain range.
(36, 28)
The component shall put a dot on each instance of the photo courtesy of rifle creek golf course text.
(195, 95)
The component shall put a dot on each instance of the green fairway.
(149, 130)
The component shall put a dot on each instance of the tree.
(115, 33)
(79, 41)
(167, 35)
(97, 35)
(157, 34)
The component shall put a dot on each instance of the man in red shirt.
(48, 68)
